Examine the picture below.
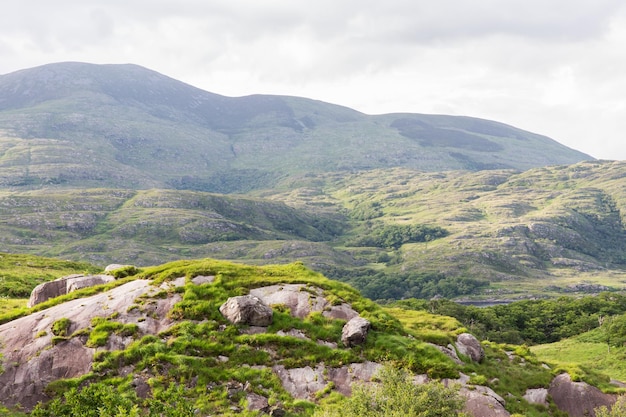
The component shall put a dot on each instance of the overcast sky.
(554, 67)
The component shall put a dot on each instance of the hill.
(123, 126)
(392, 234)
(159, 342)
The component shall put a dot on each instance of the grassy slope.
(585, 354)
(188, 350)
(544, 229)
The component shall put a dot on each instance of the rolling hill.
(393, 234)
(124, 126)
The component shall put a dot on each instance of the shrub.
(397, 395)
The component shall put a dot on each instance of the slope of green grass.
(20, 273)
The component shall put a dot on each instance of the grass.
(20, 273)
(546, 229)
(588, 361)
(191, 348)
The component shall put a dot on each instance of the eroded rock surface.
(31, 361)
(578, 399)
(247, 309)
(65, 285)
(537, 396)
(303, 383)
(303, 300)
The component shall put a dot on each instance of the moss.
(61, 326)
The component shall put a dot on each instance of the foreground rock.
(31, 360)
(247, 309)
(302, 300)
(304, 383)
(65, 285)
(578, 399)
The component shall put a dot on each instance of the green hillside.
(122, 126)
(392, 234)
(192, 367)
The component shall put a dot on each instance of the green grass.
(20, 273)
(547, 229)
(588, 361)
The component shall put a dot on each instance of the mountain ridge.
(124, 126)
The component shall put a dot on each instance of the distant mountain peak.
(146, 129)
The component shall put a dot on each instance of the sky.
(553, 67)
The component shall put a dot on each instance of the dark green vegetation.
(123, 126)
(536, 321)
(184, 373)
(393, 234)
(582, 336)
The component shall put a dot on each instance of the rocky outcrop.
(355, 331)
(483, 402)
(247, 309)
(468, 345)
(304, 383)
(31, 360)
(537, 396)
(578, 399)
(302, 300)
(113, 267)
(65, 285)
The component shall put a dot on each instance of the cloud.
(552, 67)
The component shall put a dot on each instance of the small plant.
(61, 327)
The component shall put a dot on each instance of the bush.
(618, 409)
(397, 395)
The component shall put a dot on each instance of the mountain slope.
(392, 234)
(77, 125)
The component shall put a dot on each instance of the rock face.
(483, 402)
(537, 396)
(303, 300)
(355, 331)
(578, 399)
(304, 383)
(31, 361)
(247, 309)
(468, 345)
(65, 285)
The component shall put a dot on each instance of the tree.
(396, 395)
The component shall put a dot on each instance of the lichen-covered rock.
(537, 396)
(31, 360)
(578, 399)
(355, 331)
(302, 300)
(74, 284)
(247, 309)
(257, 402)
(65, 285)
(483, 402)
(468, 345)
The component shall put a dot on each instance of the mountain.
(84, 125)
